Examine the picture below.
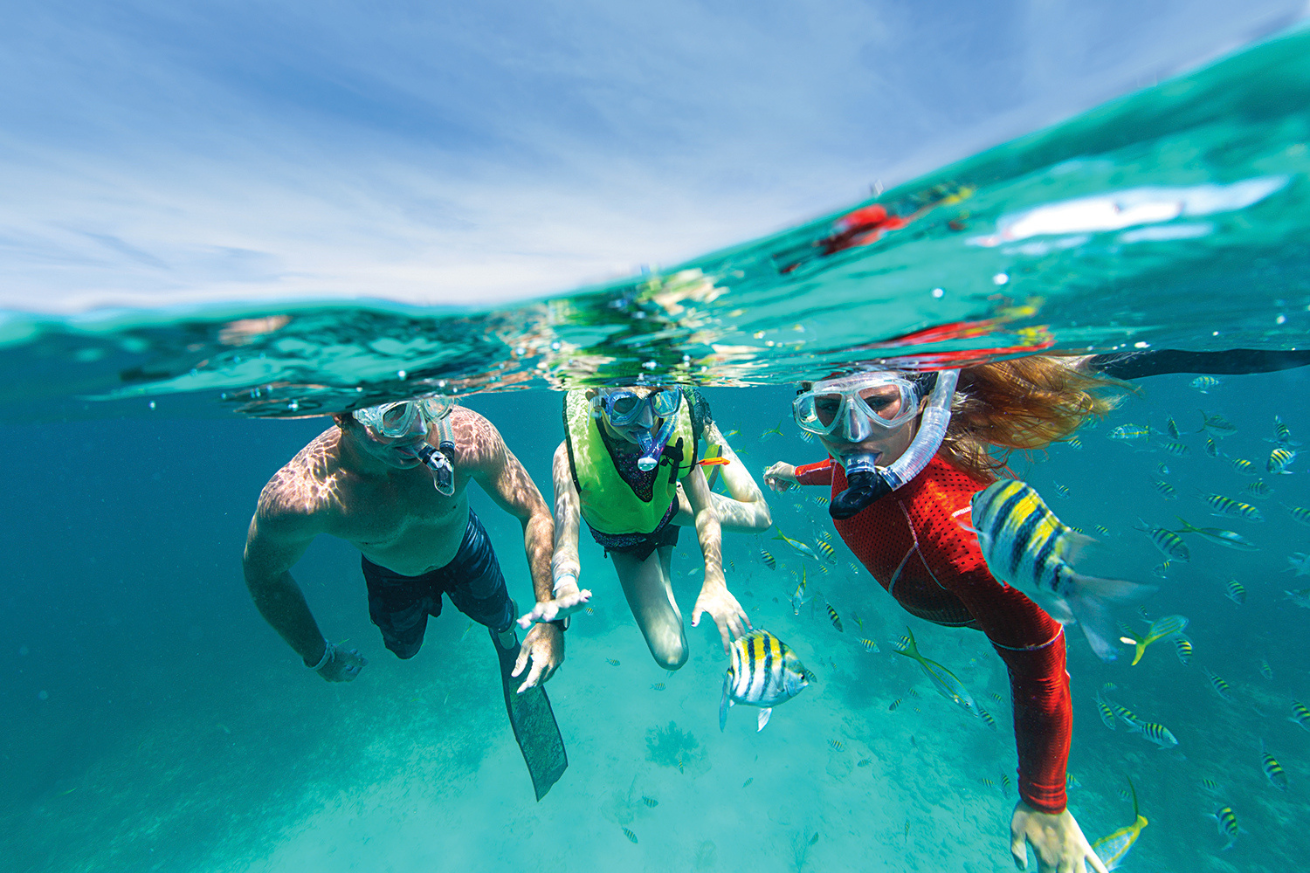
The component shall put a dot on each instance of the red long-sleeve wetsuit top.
(913, 545)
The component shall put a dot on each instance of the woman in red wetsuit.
(908, 450)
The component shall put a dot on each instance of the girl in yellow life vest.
(629, 468)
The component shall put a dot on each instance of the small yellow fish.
(748, 782)
(837, 745)
(650, 801)
(869, 645)
(657, 686)
(612, 662)
(834, 618)
(895, 703)
(630, 835)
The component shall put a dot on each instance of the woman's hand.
(781, 477)
(1057, 840)
(727, 613)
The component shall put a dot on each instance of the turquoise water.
(154, 722)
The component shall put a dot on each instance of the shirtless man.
(366, 481)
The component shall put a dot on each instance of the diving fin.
(534, 724)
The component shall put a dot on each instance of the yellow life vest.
(608, 502)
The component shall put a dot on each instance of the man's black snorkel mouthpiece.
(438, 461)
(864, 487)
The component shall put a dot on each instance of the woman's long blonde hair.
(1024, 404)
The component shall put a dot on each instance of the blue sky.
(161, 153)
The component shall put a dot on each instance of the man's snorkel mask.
(625, 408)
(411, 418)
(852, 408)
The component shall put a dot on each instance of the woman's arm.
(714, 598)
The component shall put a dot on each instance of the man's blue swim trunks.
(400, 605)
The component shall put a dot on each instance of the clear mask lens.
(625, 407)
(852, 411)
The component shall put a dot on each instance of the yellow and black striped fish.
(835, 619)
(1274, 771)
(825, 550)
(1156, 733)
(869, 645)
(630, 835)
(1300, 513)
(895, 703)
(1226, 507)
(1170, 544)
(650, 801)
(1105, 712)
(1027, 547)
(1235, 591)
(1183, 646)
(837, 745)
(1279, 458)
(1300, 715)
(764, 672)
(1222, 688)
(768, 559)
(1227, 821)
(1243, 466)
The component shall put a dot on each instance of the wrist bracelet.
(561, 580)
(327, 656)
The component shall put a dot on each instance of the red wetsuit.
(943, 578)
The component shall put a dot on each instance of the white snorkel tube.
(867, 481)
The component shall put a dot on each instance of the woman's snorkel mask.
(851, 409)
(627, 409)
(411, 418)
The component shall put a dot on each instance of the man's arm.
(275, 541)
(494, 467)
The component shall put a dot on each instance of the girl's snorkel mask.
(411, 418)
(852, 408)
(626, 408)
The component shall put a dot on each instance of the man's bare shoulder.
(477, 442)
(307, 486)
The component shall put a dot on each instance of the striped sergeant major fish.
(1228, 827)
(1222, 688)
(1279, 458)
(1300, 715)
(1114, 848)
(1027, 547)
(1300, 513)
(1219, 536)
(1235, 591)
(1273, 770)
(1282, 434)
(1105, 712)
(764, 672)
(1183, 646)
(1170, 544)
(946, 682)
(1156, 733)
(1226, 507)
